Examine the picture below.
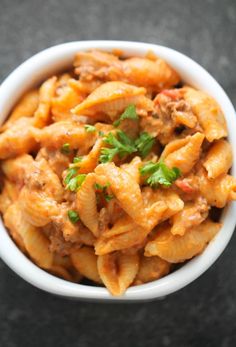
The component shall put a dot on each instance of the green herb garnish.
(108, 197)
(73, 182)
(98, 186)
(101, 133)
(73, 216)
(76, 182)
(129, 113)
(103, 190)
(159, 173)
(144, 144)
(90, 128)
(70, 174)
(77, 159)
(121, 145)
(65, 149)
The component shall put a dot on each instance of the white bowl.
(57, 58)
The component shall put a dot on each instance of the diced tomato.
(185, 186)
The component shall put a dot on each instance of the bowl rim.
(57, 57)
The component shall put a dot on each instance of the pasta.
(85, 261)
(176, 249)
(109, 172)
(150, 269)
(25, 108)
(219, 159)
(118, 271)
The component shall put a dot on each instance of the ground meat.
(58, 243)
(173, 112)
(57, 161)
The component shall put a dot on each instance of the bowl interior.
(58, 58)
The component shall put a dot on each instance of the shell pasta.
(112, 171)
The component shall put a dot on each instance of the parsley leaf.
(103, 190)
(121, 145)
(77, 159)
(149, 168)
(129, 113)
(65, 149)
(108, 197)
(70, 174)
(98, 186)
(107, 154)
(144, 144)
(159, 173)
(90, 128)
(74, 183)
(80, 180)
(73, 216)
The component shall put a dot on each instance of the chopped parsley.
(129, 113)
(90, 128)
(108, 197)
(159, 174)
(121, 145)
(65, 149)
(73, 182)
(76, 182)
(103, 190)
(144, 144)
(73, 216)
(77, 160)
(71, 172)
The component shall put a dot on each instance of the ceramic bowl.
(55, 59)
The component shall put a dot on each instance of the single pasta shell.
(90, 161)
(18, 139)
(184, 157)
(153, 74)
(219, 159)
(24, 108)
(86, 204)
(46, 93)
(133, 168)
(15, 169)
(134, 237)
(126, 190)
(118, 271)
(119, 93)
(208, 112)
(59, 133)
(9, 195)
(85, 261)
(36, 208)
(151, 269)
(37, 245)
(34, 240)
(176, 249)
(96, 59)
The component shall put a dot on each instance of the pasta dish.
(115, 171)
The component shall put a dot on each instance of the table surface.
(204, 313)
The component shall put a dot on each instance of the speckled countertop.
(204, 313)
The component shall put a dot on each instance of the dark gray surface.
(204, 313)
